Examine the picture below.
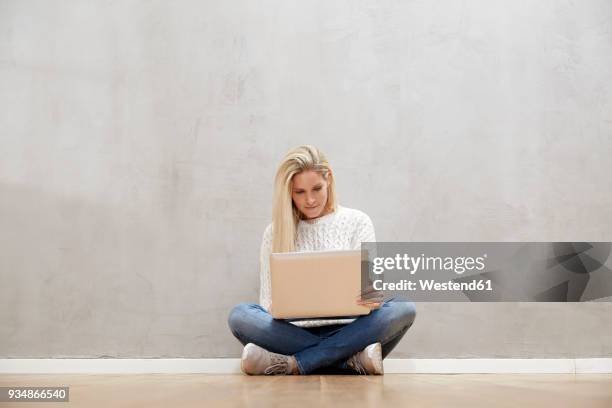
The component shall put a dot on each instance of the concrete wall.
(139, 141)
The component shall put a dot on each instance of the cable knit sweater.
(345, 228)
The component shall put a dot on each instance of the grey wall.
(139, 141)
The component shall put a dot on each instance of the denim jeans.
(323, 349)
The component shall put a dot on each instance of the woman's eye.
(317, 189)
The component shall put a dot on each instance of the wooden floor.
(399, 390)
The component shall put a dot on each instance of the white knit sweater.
(342, 229)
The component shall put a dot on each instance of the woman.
(307, 217)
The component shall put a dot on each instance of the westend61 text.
(429, 284)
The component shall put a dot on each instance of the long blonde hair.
(285, 216)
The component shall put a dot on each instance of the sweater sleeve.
(265, 296)
(364, 231)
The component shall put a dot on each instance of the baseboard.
(232, 366)
(121, 365)
(499, 366)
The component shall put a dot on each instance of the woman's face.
(309, 193)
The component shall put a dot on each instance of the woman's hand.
(370, 298)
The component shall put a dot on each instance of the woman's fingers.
(370, 297)
(370, 305)
(363, 302)
(371, 294)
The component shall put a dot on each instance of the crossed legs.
(327, 346)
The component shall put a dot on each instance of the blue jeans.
(323, 349)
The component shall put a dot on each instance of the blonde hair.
(285, 216)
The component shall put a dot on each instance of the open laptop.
(316, 284)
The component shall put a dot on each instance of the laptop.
(316, 284)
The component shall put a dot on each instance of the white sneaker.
(257, 361)
(368, 361)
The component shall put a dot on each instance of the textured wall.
(139, 141)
